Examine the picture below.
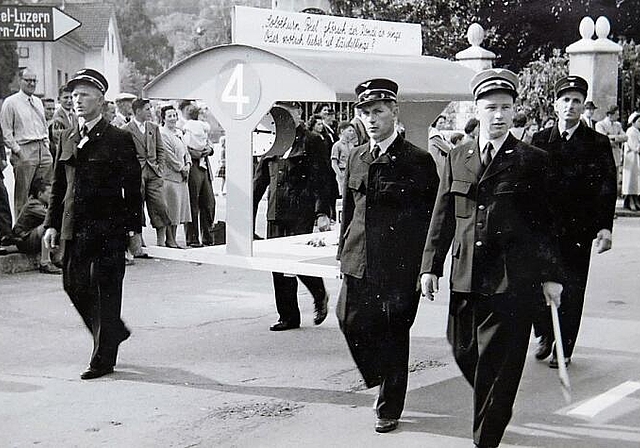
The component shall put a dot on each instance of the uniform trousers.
(378, 343)
(286, 286)
(489, 335)
(203, 206)
(152, 189)
(5, 210)
(34, 161)
(92, 274)
(576, 258)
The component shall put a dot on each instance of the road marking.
(593, 407)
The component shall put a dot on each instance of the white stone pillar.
(596, 60)
(476, 58)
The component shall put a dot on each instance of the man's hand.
(429, 285)
(603, 241)
(552, 292)
(324, 223)
(50, 238)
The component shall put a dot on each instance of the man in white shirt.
(26, 137)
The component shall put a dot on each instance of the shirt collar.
(140, 125)
(24, 95)
(89, 124)
(383, 144)
(497, 143)
(569, 131)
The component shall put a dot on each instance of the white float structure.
(241, 83)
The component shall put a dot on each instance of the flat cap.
(571, 82)
(91, 77)
(124, 96)
(590, 105)
(378, 89)
(494, 80)
(612, 110)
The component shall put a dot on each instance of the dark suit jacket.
(96, 188)
(386, 208)
(499, 222)
(149, 147)
(584, 183)
(297, 188)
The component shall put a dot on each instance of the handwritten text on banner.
(265, 27)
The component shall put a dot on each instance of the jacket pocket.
(463, 204)
(357, 183)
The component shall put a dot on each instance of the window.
(23, 52)
(59, 73)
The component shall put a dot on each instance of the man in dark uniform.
(493, 204)
(584, 194)
(95, 202)
(297, 199)
(389, 190)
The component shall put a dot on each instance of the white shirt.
(569, 131)
(89, 124)
(383, 144)
(496, 143)
(140, 126)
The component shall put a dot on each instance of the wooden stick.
(562, 367)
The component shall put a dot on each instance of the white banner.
(268, 27)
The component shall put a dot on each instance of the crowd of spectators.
(182, 185)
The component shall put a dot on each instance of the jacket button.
(481, 207)
(479, 243)
(479, 224)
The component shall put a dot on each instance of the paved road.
(201, 369)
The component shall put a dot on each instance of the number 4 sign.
(238, 89)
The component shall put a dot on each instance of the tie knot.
(376, 151)
(565, 136)
(84, 130)
(486, 155)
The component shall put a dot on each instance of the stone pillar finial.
(587, 28)
(602, 27)
(475, 34)
(596, 60)
(475, 57)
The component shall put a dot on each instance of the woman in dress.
(631, 165)
(176, 174)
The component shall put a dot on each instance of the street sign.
(34, 23)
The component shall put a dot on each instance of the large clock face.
(264, 135)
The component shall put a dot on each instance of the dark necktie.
(376, 152)
(486, 155)
(84, 131)
(565, 136)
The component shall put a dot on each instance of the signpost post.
(34, 23)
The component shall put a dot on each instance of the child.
(29, 226)
(341, 149)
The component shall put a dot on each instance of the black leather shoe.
(195, 245)
(283, 326)
(545, 345)
(96, 372)
(386, 424)
(554, 362)
(320, 313)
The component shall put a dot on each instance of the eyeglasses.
(29, 80)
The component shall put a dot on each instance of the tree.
(537, 79)
(8, 67)
(518, 31)
(142, 44)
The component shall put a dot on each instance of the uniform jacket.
(585, 176)
(297, 187)
(149, 147)
(96, 188)
(499, 222)
(386, 209)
